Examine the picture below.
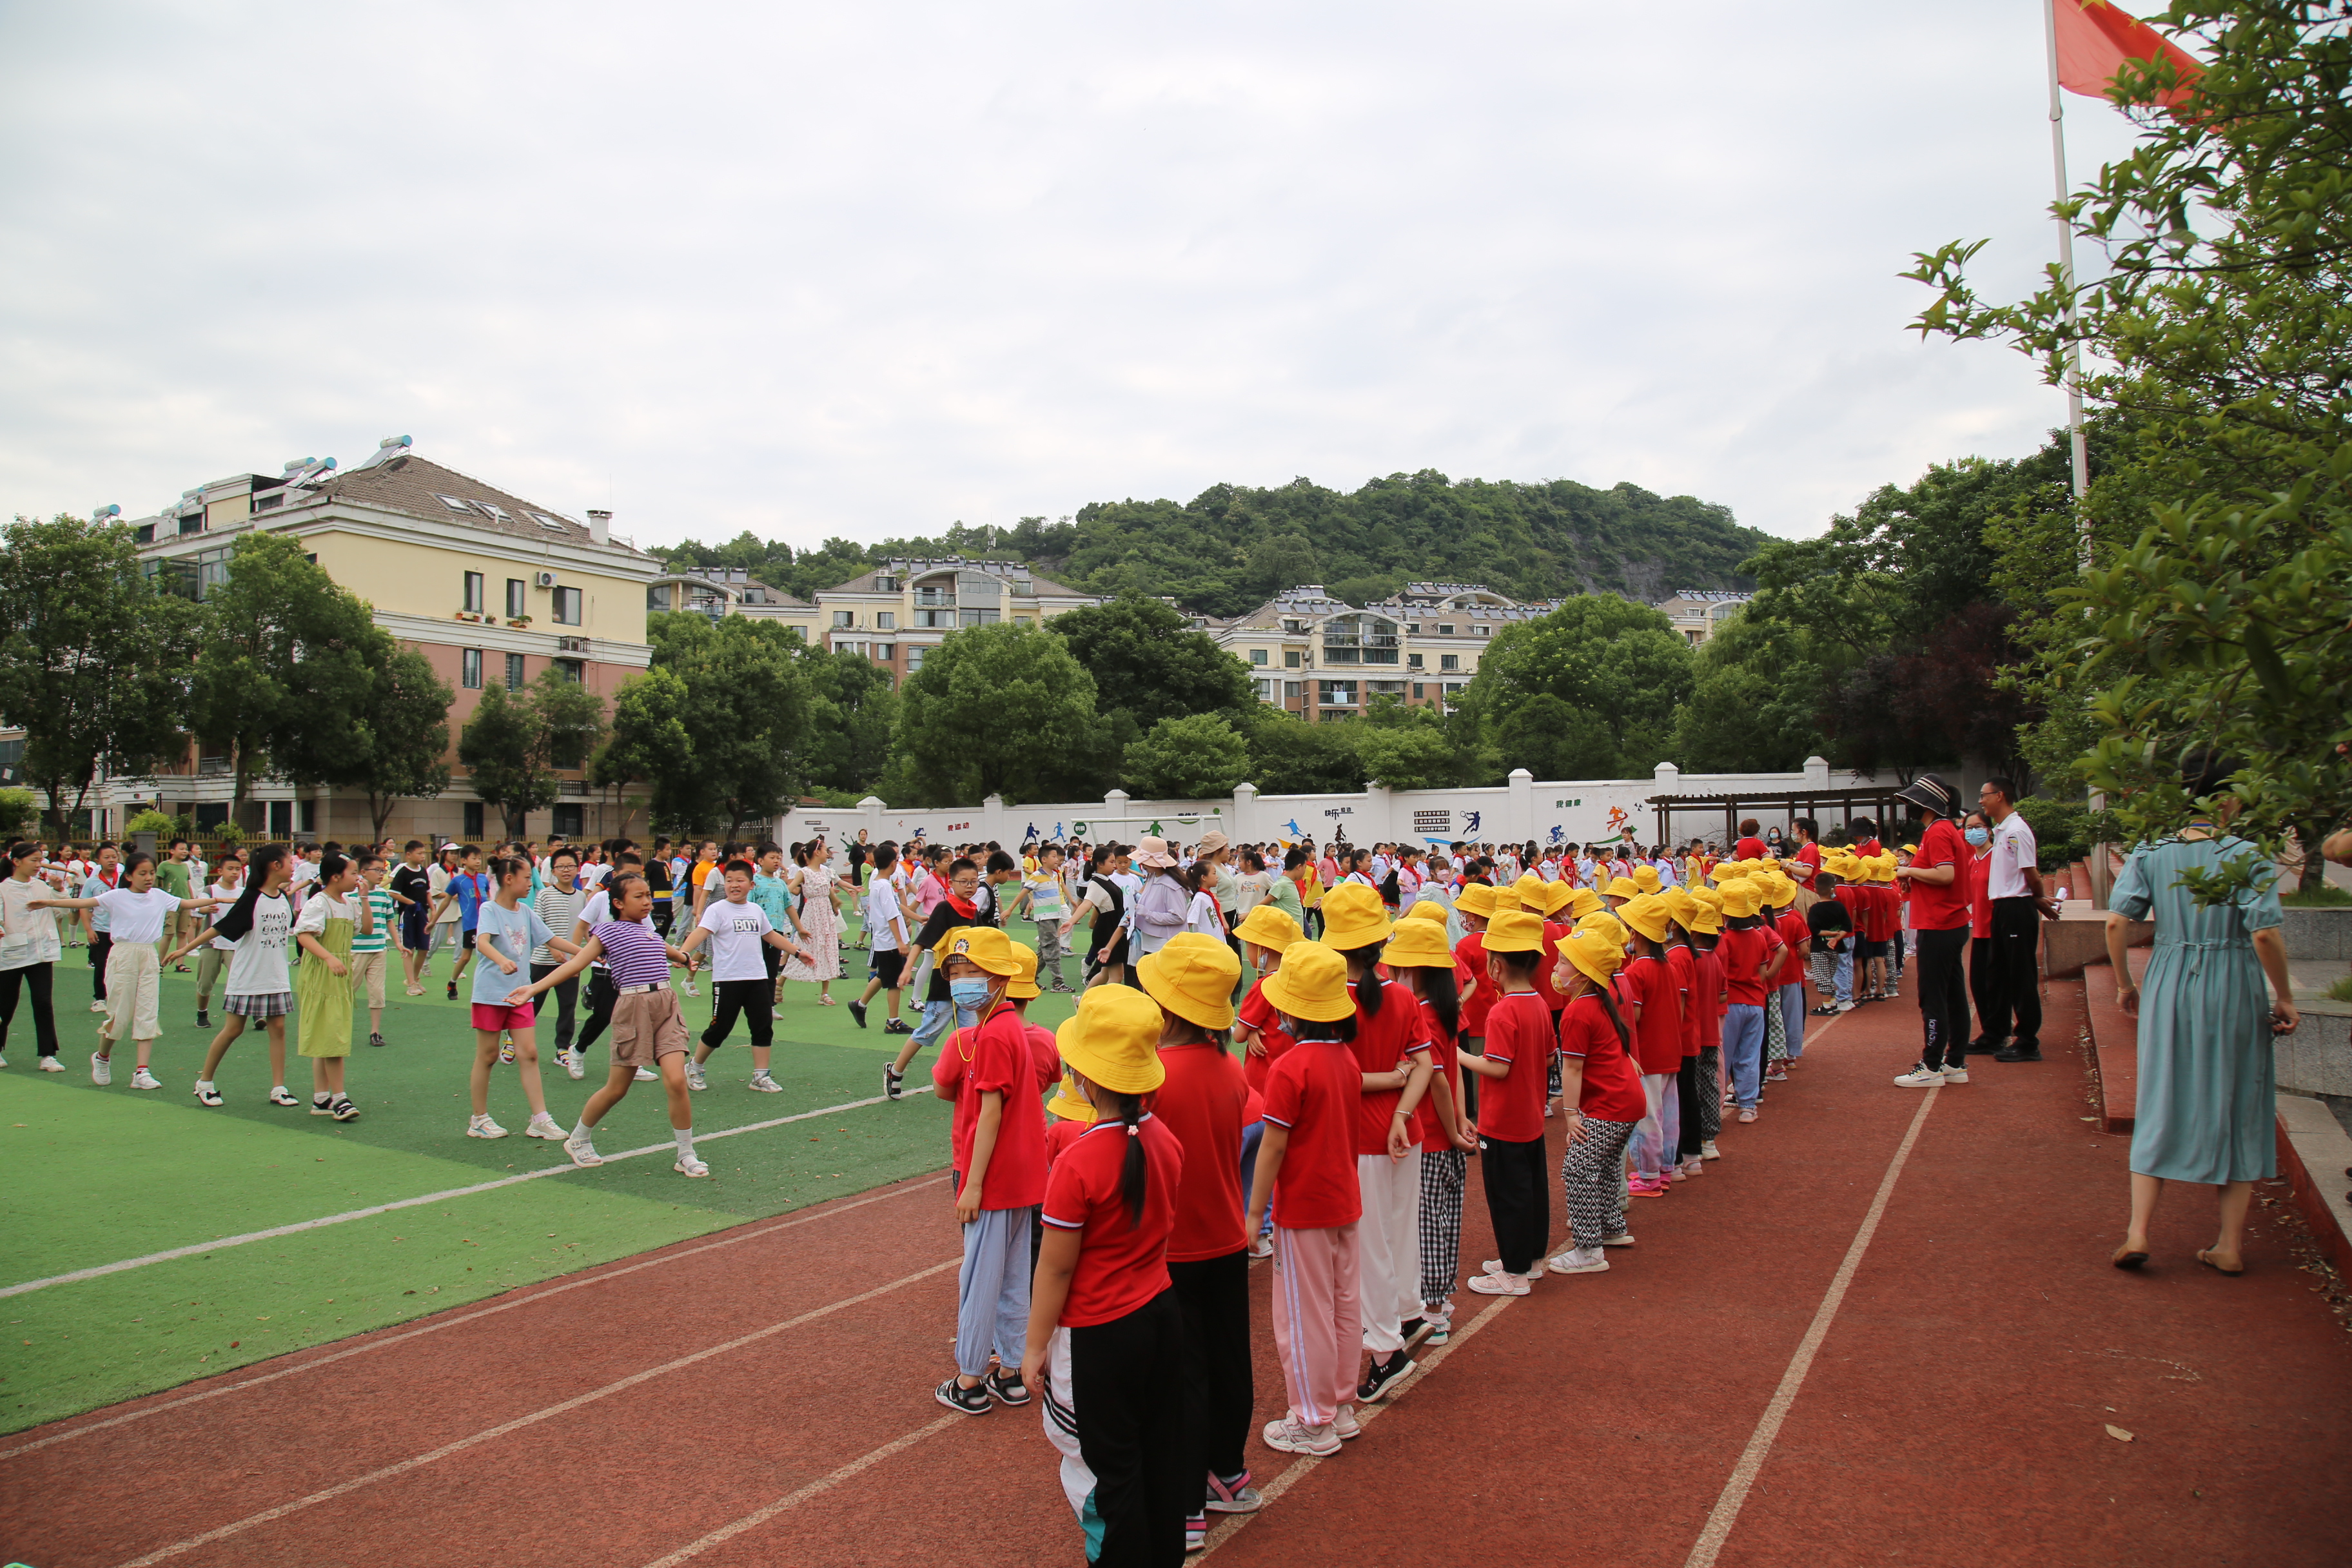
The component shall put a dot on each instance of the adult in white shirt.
(2017, 907)
(29, 952)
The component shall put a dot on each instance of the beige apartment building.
(1322, 658)
(1697, 612)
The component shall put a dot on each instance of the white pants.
(1061, 1419)
(1387, 1241)
(1652, 1155)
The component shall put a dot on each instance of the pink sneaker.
(1647, 1187)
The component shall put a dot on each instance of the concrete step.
(2320, 934)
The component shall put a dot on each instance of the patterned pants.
(1775, 1028)
(1442, 1176)
(1710, 1092)
(1592, 1179)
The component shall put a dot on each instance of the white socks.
(584, 1132)
(685, 1136)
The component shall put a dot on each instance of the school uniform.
(1511, 1132)
(1204, 1101)
(1685, 1144)
(1744, 953)
(993, 1288)
(1790, 994)
(1658, 1053)
(1444, 1172)
(1313, 1092)
(1706, 972)
(1388, 1239)
(1592, 1167)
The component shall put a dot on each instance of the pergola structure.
(1878, 802)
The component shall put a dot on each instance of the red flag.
(2095, 39)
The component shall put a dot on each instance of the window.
(914, 659)
(474, 820)
(518, 605)
(886, 620)
(1418, 691)
(657, 596)
(544, 520)
(567, 606)
(1337, 693)
(144, 533)
(1384, 687)
(934, 618)
(1449, 661)
(570, 820)
(845, 617)
(1413, 628)
(1266, 689)
(492, 510)
(1444, 631)
(1025, 620)
(1257, 655)
(514, 672)
(885, 651)
(1292, 690)
(981, 617)
(453, 503)
(470, 660)
(1413, 661)
(1483, 631)
(572, 669)
(196, 525)
(305, 816)
(281, 819)
(1452, 689)
(476, 600)
(1295, 628)
(1290, 658)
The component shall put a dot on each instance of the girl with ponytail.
(258, 926)
(1598, 1077)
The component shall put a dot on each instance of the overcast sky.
(869, 269)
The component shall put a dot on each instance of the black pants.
(1220, 1384)
(1686, 1096)
(601, 996)
(2017, 969)
(35, 978)
(567, 998)
(754, 999)
(1519, 1200)
(1471, 1046)
(1992, 1015)
(1943, 994)
(100, 945)
(1122, 1375)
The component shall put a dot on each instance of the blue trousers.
(1792, 1015)
(993, 1291)
(1251, 1136)
(938, 1018)
(1743, 1051)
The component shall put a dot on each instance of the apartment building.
(1697, 612)
(722, 591)
(899, 611)
(1323, 658)
(488, 586)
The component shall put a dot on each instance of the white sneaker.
(1956, 1075)
(51, 1064)
(483, 1127)
(100, 1069)
(775, 1012)
(543, 1126)
(1495, 1266)
(762, 1084)
(1345, 1426)
(506, 1050)
(1496, 1283)
(1623, 1238)
(281, 1095)
(1292, 1435)
(1920, 1077)
(1706, 1150)
(97, 1007)
(4, 1063)
(143, 1078)
(688, 1165)
(646, 1074)
(583, 1150)
(1577, 1261)
(570, 1061)
(689, 988)
(695, 1076)
(1845, 1006)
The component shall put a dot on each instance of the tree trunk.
(2315, 868)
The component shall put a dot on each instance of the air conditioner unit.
(547, 579)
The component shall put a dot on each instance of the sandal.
(2205, 1256)
(2127, 1258)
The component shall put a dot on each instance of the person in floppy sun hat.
(1105, 1317)
(1306, 1176)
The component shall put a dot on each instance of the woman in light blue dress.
(2207, 1106)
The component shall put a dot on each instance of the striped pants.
(1443, 1174)
(1592, 1179)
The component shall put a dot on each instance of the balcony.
(935, 599)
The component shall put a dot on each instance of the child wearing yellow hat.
(1789, 997)
(1475, 906)
(1685, 1155)
(1202, 1101)
(1599, 1080)
(1714, 998)
(1105, 1317)
(1516, 1062)
(1751, 955)
(1424, 965)
(1307, 1180)
(1648, 977)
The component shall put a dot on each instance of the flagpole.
(2067, 269)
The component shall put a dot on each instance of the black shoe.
(857, 1011)
(1381, 1374)
(203, 1019)
(893, 1082)
(1828, 1010)
(1411, 1329)
(2012, 1054)
(897, 1027)
(344, 1110)
(453, 991)
(1009, 1390)
(375, 1040)
(972, 1401)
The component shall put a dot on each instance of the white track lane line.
(504, 1428)
(1734, 1497)
(580, 1282)
(275, 1231)
(823, 1483)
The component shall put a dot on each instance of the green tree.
(287, 670)
(513, 747)
(747, 708)
(406, 726)
(1289, 756)
(1753, 703)
(649, 743)
(1617, 670)
(1149, 664)
(1279, 562)
(1411, 756)
(1000, 710)
(1198, 757)
(92, 667)
(853, 708)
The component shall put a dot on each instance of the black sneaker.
(1411, 1329)
(893, 1081)
(375, 1040)
(1382, 1374)
(897, 1027)
(2012, 1053)
(453, 991)
(972, 1401)
(203, 1019)
(857, 1012)
(1009, 1390)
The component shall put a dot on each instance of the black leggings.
(601, 996)
(35, 978)
(755, 999)
(1686, 1093)
(1220, 1387)
(567, 997)
(100, 945)
(1123, 1376)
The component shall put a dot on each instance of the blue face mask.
(1979, 837)
(969, 994)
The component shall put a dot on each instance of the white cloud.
(816, 271)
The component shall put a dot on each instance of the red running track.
(763, 1395)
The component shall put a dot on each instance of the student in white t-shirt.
(137, 912)
(258, 927)
(886, 925)
(736, 928)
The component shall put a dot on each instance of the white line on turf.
(504, 1428)
(579, 1282)
(823, 1483)
(374, 1209)
(1734, 1497)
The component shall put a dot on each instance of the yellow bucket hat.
(1353, 918)
(1647, 914)
(1606, 923)
(1556, 896)
(986, 946)
(1477, 899)
(1647, 878)
(1582, 901)
(1740, 899)
(1193, 977)
(1024, 987)
(1706, 919)
(1778, 890)
(1426, 910)
(1596, 957)
(1622, 888)
(1312, 984)
(1066, 1104)
(1681, 908)
(1529, 890)
(1268, 926)
(1518, 932)
(1418, 944)
(1113, 1039)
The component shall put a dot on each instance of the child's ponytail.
(1616, 1019)
(1364, 968)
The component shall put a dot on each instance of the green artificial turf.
(99, 1175)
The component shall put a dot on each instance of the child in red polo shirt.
(1598, 1074)
(1307, 1173)
(1515, 1065)
(1683, 960)
(1263, 933)
(1105, 1332)
(1649, 979)
(1418, 956)
(1713, 994)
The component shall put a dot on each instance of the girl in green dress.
(322, 990)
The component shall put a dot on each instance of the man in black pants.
(1940, 913)
(2013, 891)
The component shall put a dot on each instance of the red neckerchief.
(963, 907)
